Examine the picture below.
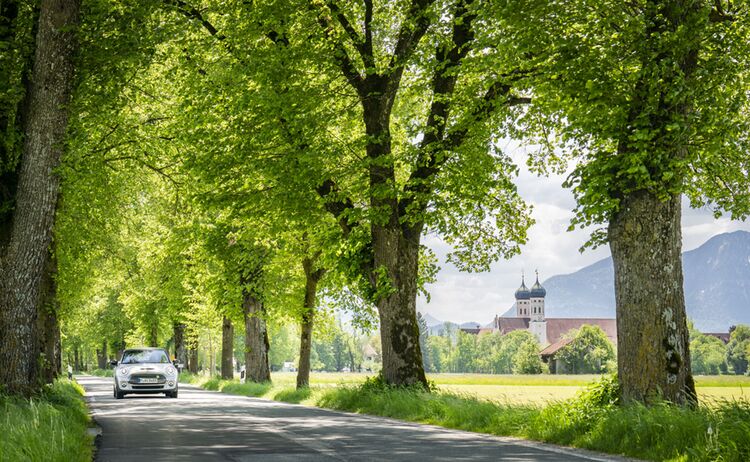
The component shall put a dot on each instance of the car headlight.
(124, 371)
(169, 370)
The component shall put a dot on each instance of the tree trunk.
(47, 330)
(312, 277)
(399, 330)
(227, 349)
(48, 339)
(76, 359)
(256, 340)
(193, 363)
(24, 263)
(395, 256)
(180, 352)
(101, 355)
(652, 344)
(153, 335)
(305, 346)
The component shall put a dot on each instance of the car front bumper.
(126, 385)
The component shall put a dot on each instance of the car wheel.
(172, 394)
(119, 394)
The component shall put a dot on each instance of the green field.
(527, 389)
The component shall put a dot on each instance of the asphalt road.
(209, 426)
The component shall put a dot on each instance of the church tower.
(523, 302)
(536, 300)
(537, 324)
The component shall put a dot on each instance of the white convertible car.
(145, 370)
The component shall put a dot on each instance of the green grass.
(586, 418)
(51, 427)
(524, 389)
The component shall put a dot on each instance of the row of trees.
(711, 356)
(225, 161)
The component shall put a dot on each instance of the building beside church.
(529, 314)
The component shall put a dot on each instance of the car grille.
(135, 381)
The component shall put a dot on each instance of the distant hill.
(438, 327)
(431, 320)
(717, 286)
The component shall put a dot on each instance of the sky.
(460, 297)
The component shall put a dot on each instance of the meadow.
(524, 389)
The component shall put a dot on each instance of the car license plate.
(146, 380)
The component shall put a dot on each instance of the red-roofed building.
(551, 332)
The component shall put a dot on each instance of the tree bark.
(193, 363)
(227, 349)
(399, 330)
(76, 359)
(47, 330)
(180, 352)
(312, 277)
(101, 355)
(48, 339)
(256, 340)
(24, 263)
(153, 334)
(652, 345)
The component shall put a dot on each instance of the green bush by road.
(719, 430)
(48, 428)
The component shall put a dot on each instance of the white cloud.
(462, 297)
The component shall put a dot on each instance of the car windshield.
(144, 356)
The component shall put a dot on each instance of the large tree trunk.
(312, 277)
(24, 264)
(399, 330)
(47, 329)
(652, 344)
(180, 352)
(395, 256)
(227, 349)
(256, 340)
(49, 344)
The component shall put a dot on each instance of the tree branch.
(359, 44)
(340, 54)
(368, 33)
(338, 207)
(443, 86)
(719, 14)
(194, 13)
(408, 37)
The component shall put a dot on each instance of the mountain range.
(716, 281)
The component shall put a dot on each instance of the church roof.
(558, 327)
(553, 348)
(537, 291)
(506, 325)
(522, 293)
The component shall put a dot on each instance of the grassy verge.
(103, 372)
(51, 427)
(591, 420)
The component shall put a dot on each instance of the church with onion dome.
(528, 313)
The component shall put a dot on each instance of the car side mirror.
(113, 363)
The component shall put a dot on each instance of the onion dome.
(523, 293)
(537, 291)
